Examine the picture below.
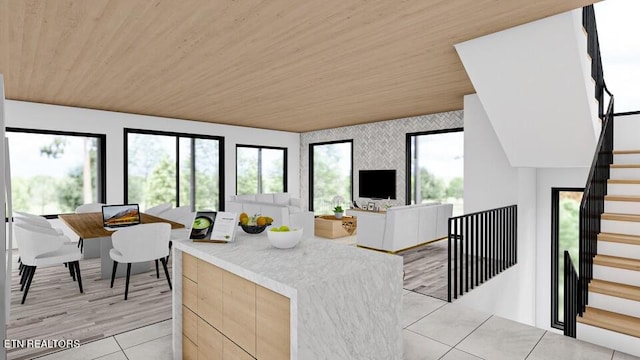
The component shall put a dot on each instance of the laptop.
(115, 216)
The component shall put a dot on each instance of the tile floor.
(433, 329)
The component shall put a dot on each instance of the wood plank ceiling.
(276, 64)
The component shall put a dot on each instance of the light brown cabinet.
(228, 317)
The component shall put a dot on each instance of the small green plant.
(338, 209)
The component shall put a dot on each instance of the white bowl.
(284, 239)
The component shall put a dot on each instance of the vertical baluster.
(455, 259)
(466, 254)
(462, 240)
(449, 259)
(476, 235)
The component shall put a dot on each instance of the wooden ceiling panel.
(277, 64)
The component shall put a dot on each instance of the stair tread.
(624, 324)
(623, 181)
(625, 152)
(615, 289)
(617, 262)
(622, 197)
(620, 217)
(619, 238)
(625, 166)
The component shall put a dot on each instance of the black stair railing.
(592, 205)
(481, 245)
(571, 290)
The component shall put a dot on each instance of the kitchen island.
(319, 300)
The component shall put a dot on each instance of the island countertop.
(345, 301)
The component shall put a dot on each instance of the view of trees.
(331, 175)
(436, 188)
(152, 171)
(568, 232)
(247, 177)
(39, 192)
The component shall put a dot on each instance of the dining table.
(97, 239)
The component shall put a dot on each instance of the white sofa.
(281, 207)
(402, 227)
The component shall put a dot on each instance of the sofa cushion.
(245, 198)
(281, 198)
(264, 198)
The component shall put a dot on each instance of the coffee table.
(328, 226)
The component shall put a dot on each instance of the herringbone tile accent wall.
(379, 145)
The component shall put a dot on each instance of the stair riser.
(625, 174)
(610, 339)
(614, 304)
(626, 158)
(623, 189)
(619, 249)
(622, 276)
(620, 227)
(622, 207)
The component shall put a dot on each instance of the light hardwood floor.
(425, 269)
(55, 309)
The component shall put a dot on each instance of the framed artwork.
(371, 206)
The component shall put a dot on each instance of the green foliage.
(431, 187)
(327, 179)
(55, 149)
(455, 188)
(161, 186)
(338, 209)
(568, 233)
(247, 173)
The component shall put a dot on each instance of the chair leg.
(20, 270)
(26, 289)
(126, 286)
(170, 245)
(72, 273)
(113, 272)
(81, 244)
(157, 271)
(65, 264)
(25, 276)
(166, 272)
(76, 264)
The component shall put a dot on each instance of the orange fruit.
(269, 220)
(261, 221)
(244, 219)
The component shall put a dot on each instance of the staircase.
(612, 318)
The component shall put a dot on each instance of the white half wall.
(547, 179)
(62, 118)
(532, 82)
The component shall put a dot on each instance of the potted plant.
(338, 212)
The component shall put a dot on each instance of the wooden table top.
(89, 225)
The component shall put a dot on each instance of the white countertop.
(253, 257)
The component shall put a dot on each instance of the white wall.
(548, 178)
(52, 117)
(491, 182)
(489, 179)
(625, 132)
(532, 84)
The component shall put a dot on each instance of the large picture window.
(260, 169)
(330, 175)
(565, 222)
(53, 172)
(182, 169)
(435, 167)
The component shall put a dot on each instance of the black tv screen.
(377, 184)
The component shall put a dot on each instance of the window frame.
(177, 136)
(311, 169)
(409, 160)
(101, 157)
(285, 165)
(556, 323)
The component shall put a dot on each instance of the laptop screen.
(120, 215)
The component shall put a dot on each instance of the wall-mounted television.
(377, 184)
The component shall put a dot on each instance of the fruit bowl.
(284, 239)
(253, 229)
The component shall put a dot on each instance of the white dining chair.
(39, 247)
(158, 209)
(182, 215)
(87, 208)
(36, 220)
(140, 243)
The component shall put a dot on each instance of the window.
(53, 172)
(260, 169)
(565, 222)
(330, 174)
(183, 169)
(435, 167)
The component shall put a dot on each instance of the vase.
(338, 215)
